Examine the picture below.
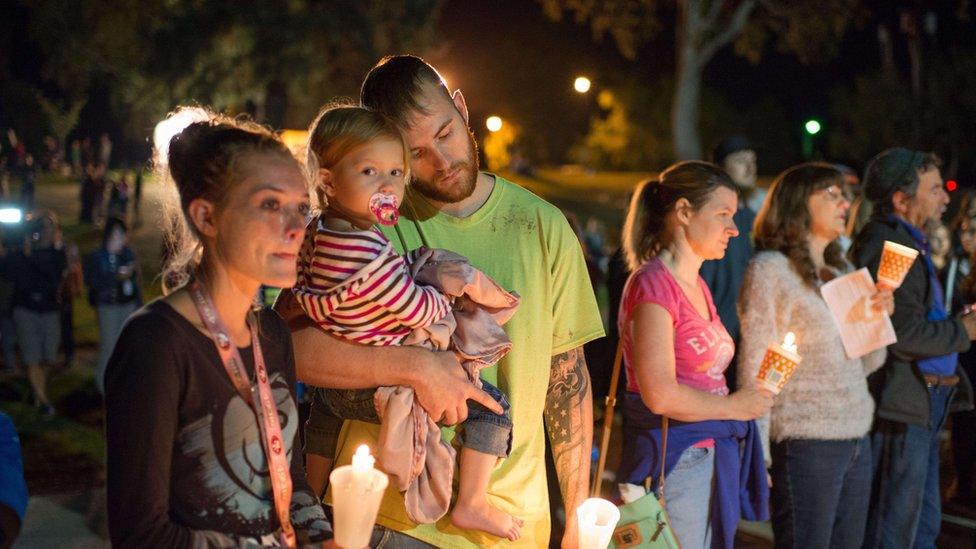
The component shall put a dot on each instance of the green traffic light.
(812, 127)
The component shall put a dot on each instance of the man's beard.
(462, 188)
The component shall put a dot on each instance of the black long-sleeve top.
(186, 466)
(37, 278)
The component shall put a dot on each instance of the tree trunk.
(685, 107)
(702, 30)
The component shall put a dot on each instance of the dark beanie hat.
(894, 169)
(729, 145)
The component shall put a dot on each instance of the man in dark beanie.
(737, 156)
(920, 377)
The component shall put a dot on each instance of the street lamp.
(582, 84)
(493, 123)
(810, 129)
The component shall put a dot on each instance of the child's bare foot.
(484, 517)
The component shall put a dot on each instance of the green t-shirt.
(526, 245)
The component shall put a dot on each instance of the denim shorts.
(38, 334)
(484, 431)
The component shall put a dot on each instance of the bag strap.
(611, 403)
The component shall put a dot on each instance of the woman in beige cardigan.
(816, 432)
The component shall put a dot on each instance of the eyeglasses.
(835, 194)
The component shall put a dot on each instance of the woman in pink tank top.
(675, 346)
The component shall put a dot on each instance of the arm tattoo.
(569, 423)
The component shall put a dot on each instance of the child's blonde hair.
(341, 128)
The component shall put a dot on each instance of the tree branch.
(734, 27)
(714, 10)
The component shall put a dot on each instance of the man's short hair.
(892, 170)
(730, 145)
(394, 86)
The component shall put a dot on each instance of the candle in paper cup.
(779, 364)
(597, 519)
(356, 493)
(896, 260)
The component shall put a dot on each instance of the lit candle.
(597, 519)
(789, 343)
(362, 465)
(356, 493)
(778, 364)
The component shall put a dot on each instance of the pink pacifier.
(385, 208)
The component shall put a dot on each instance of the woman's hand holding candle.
(750, 402)
(883, 301)
(778, 364)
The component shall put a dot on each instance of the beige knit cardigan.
(827, 398)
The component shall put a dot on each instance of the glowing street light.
(812, 126)
(494, 123)
(582, 84)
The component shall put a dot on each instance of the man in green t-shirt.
(526, 245)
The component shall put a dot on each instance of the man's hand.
(443, 390)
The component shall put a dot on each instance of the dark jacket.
(898, 387)
(102, 278)
(37, 278)
(724, 276)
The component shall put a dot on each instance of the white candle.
(597, 519)
(356, 493)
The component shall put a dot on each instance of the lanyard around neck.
(266, 410)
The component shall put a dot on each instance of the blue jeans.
(385, 538)
(484, 431)
(688, 489)
(906, 509)
(820, 494)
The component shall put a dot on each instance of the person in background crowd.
(118, 200)
(137, 192)
(940, 246)
(28, 180)
(76, 165)
(38, 270)
(70, 289)
(914, 388)
(8, 330)
(737, 156)
(105, 150)
(816, 435)
(676, 351)
(112, 277)
(960, 284)
(87, 195)
(852, 188)
(194, 458)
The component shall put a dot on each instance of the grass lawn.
(68, 450)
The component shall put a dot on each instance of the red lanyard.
(267, 412)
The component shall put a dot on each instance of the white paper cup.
(777, 368)
(355, 503)
(597, 518)
(896, 260)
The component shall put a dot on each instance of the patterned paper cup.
(895, 262)
(777, 368)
